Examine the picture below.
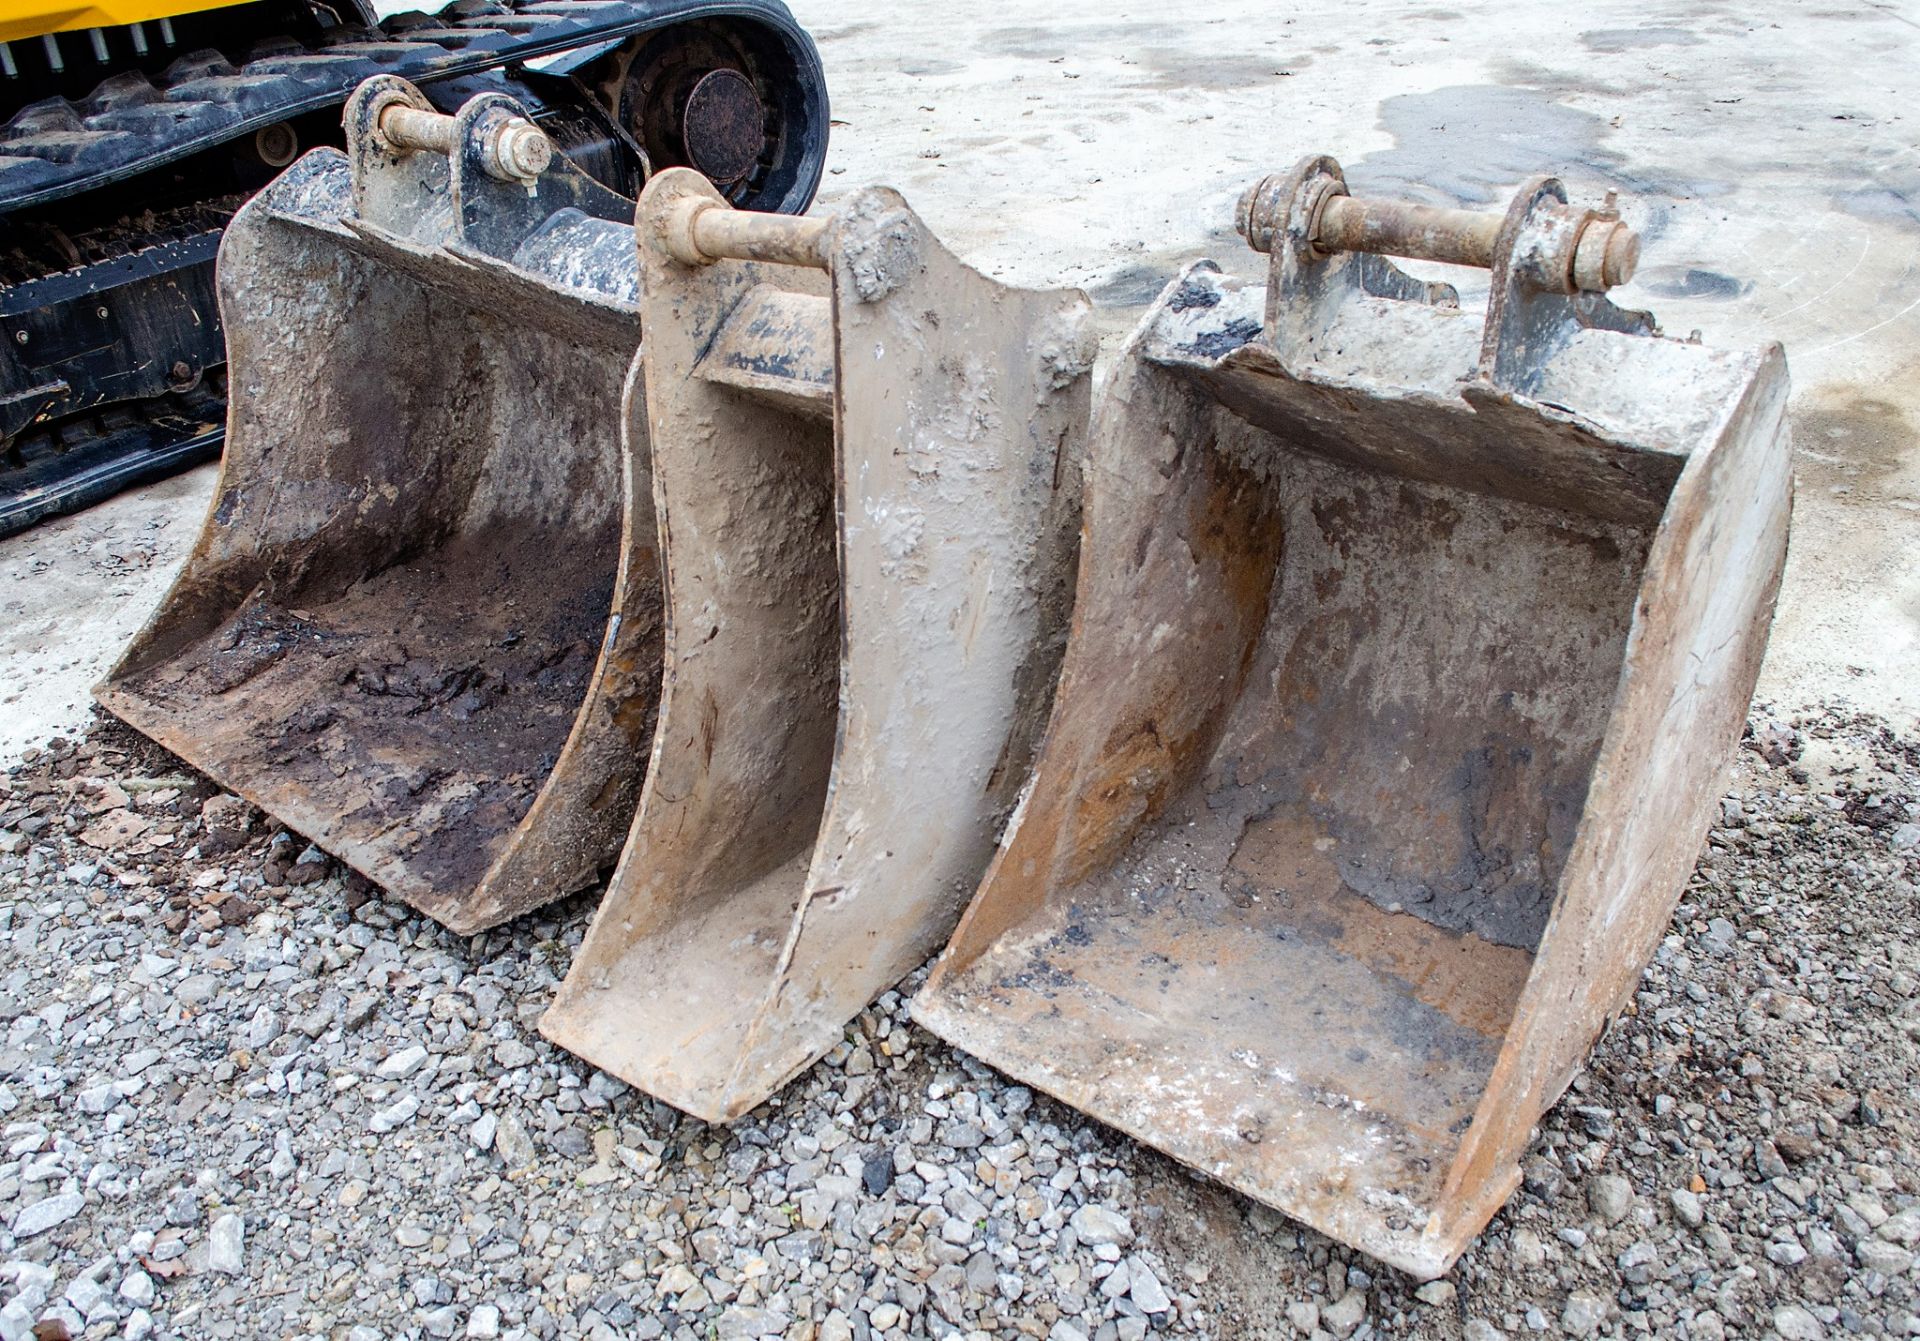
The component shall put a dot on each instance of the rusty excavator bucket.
(414, 628)
(1407, 654)
(867, 474)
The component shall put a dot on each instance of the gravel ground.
(243, 1095)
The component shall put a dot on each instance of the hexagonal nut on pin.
(518, 151)
(1606, 255)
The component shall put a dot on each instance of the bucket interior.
(1320, 753)
(395, 612)
(669, 984)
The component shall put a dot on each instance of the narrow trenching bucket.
(1408, 652)
(413, 628)
(868, 485)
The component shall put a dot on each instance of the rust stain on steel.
(865, 618)
(419, 627)
(1391, 715)
(1291, 861)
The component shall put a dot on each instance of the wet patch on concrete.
(1682, 281)
(925, 66)
(845, 32)
(1887, 202)
(1612, 89)
(1474, 143)
(1845, 438)
(1052, 42)
(955, 145)
(1633, 39)
(1131, 286)
(1168, 69)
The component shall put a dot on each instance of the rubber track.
(56, 148)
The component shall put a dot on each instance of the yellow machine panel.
(22, 19)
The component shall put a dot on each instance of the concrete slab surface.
(1767, 154)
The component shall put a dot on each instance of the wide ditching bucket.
(1408, 652)
(867, 473)
(414, 628)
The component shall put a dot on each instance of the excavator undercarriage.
(126, 149)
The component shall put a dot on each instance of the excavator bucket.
(415, 628)
(1407, 654)
(867, 474)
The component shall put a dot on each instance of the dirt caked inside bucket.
(407, 630)
(1311, 887)
(412, 719)
(1311, 909)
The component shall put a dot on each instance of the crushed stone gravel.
(244, 1095)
